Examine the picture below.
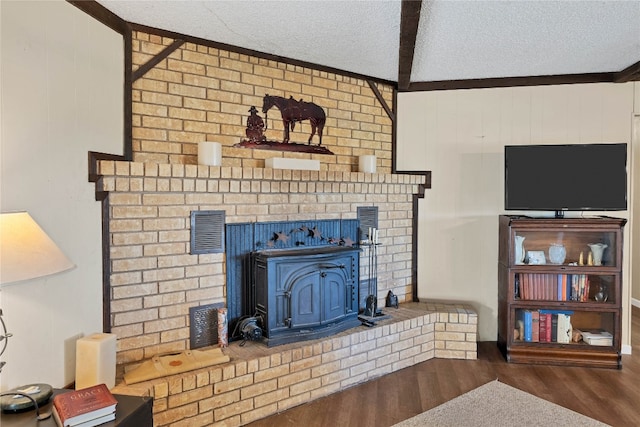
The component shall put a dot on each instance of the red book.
(542, 328)
(79, 406)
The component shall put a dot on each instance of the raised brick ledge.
(261, 381)
(124, 169)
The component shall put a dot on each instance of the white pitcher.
(597, 249)
(519, 249)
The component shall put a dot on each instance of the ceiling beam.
(560, 79)
(409, 19)
(630, 73)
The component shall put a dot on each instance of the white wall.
(61, 88)
(459, 136)
(635, 219)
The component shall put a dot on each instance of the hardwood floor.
(608, 395)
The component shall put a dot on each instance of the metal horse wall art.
(293, 111)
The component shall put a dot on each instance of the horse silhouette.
(293, 111)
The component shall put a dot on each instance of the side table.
(131, 411)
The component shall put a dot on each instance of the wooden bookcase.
(589, 295)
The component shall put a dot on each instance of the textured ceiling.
(456, 40)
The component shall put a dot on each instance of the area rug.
(498, 404)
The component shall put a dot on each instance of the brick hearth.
(261, 381)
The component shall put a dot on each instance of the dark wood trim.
(381, 100)
(94, 157)
(630, 73)
(128, 94)
(106, 267)
(144, 68)
(394, 132)
(255, 53)
(414, 220)
(511, 82)
(101, 14)
(103, 198)
(409, 20)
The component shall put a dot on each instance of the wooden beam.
(409, 20)
(511, 82)
(144, 68)
(630, 73)
(381, 100)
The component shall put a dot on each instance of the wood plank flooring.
(611, 396)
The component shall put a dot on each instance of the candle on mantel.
(367, 163)
(209, 153)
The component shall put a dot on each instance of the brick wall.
(202, 93)
(154, 279)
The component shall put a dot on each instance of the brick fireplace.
(155, 280)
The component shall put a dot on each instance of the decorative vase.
(519, 249)
(602, 295)
(597, 249)
(557, 253)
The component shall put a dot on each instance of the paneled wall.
(459, 136)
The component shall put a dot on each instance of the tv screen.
(570, 177)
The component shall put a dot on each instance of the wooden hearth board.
(170, 364)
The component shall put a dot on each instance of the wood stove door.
(305, 301)
(334, 289)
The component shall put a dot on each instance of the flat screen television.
(571, 177)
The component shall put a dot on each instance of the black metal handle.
(331, 266)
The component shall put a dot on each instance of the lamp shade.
(26, 251)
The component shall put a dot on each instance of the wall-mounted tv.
(571, 177)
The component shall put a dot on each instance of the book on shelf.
(544, 329)
(552, 287)
(535, 326)
(85, 407)
(554, 327)
(525, 322)
(565, 330)
(597, 337)
(545, 326)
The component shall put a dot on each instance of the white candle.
(369, 236)
(367, 163)
(209, 153)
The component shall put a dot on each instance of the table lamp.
(26, 252)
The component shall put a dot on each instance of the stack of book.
(87, 407)
(597, 337)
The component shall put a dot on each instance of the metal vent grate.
(368, 217)
(203, 325)
(207, 232)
